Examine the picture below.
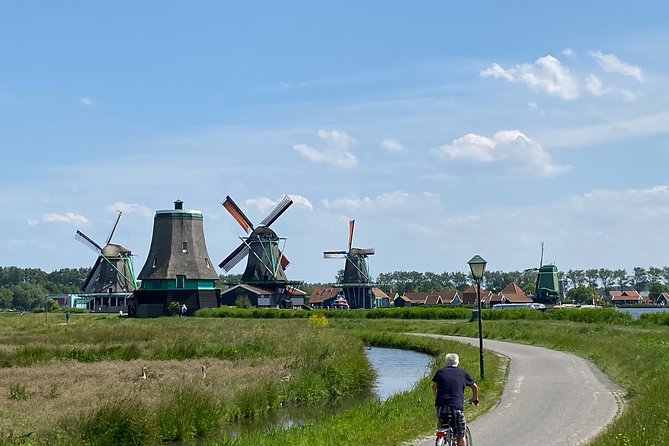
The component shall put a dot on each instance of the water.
(638, 311)
(396, 371)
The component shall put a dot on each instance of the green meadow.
(106, 380)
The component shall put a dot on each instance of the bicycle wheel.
(468, 436)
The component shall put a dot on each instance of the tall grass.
(403, 417)
(312, 363)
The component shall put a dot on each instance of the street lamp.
(477, 267)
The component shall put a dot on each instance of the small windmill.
(547, 286)
(113, 269)
(266, 262)
(357, 280)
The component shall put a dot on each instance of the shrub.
(120, 422)
(190, 413)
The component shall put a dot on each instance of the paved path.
(550, 398)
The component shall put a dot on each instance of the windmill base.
(155, 303)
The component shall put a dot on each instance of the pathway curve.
(550, 398)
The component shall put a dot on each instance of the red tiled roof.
(512, 293)
(625, 295)
(378, 292)
(319, 294)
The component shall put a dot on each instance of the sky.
(445, 129)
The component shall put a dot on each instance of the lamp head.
(477, 266)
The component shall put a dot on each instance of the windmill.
(357, 280)
(266, 263)
(547, 286)
(112, 272)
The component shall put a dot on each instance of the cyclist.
(448, 387)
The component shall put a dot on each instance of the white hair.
(452, 360)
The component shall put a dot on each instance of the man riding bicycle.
(448, 387)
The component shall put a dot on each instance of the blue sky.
(446, 129)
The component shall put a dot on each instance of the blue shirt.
(451, 383)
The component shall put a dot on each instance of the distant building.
(628, 297)
(511, 294)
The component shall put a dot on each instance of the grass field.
(81, 383)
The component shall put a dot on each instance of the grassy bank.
(401, 418)
(102, 379)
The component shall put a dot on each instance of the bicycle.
(445, 437)
(445, 434)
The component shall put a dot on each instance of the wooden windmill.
(547, 286)
(357, 282)
(178, 267)
(113, 272)
(266, 263)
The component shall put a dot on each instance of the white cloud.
(130, 208)
(301, 200)
(335, 148)
(386, 200)
(568, 52)
(612, 64)
(68, 217)
(511, 147)
(32, 222)
(546, 74)
(87, 101)
(594, 85)
(648, 204)
(266, 204)
(392, 145)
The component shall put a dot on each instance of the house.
(381, 299)
(663, 299)
(469, 297)
(401, 301)
(324, 297)
(511, 294)
(628, 297)
(258, 297)
(433, 298)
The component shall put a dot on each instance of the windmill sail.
(112, 271)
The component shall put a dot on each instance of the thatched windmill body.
(356, 282)
(178, 267)
(112, 278)
(266, 263)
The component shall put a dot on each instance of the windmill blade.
(284, 260)
(367, 251)
(237, 214)
(235, 257)
(91, 273)
(278, 210)
(111, 233)
(83, 238)
(351, 225)
(334, 254)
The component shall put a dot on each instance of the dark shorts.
(455, 417)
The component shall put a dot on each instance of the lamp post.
(477, 267)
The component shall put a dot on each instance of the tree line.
(27, 288)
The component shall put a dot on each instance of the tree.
(639, 278)
(6, 296)
(576, 277)
(621, 277)
(582, 295)
(592, 277)
(656, 289)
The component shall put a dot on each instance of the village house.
(469, 297)
(511, 294)
(450, 297)
(662, 299)
(628, 297)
